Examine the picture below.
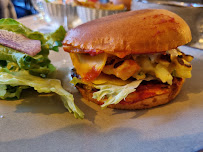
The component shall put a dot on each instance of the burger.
(130, 60)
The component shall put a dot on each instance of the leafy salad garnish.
(24, 79)
(20, 71)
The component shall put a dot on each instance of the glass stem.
(65, 20)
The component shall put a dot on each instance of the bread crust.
(133, 32)
(167, 96)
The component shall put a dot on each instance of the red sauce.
(158, 33)
(91, 75)
(172, 20)
(93, 52)
(144, 92)
(158, 15)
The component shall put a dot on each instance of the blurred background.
(24, 7)
(16, 8)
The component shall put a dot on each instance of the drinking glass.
(38, 5)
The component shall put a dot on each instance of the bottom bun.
(162, 94)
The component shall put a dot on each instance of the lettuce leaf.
(38, 65)
(8, 91)
(54, 40)
(23, 78)
(49, 41)
(2, 90)
(14, 26)
(112, 94)
(75, 81)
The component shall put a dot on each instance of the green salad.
(19, 71)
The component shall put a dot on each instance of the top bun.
(134, 32)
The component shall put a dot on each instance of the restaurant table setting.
(39, 122)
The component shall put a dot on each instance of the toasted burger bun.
(134, 32)
(137, 100)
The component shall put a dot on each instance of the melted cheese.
(109, 79)
(88, 67)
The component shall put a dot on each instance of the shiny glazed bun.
(134, 32)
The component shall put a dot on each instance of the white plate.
(41, 123)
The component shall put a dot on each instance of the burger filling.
(164, 67)
(115, 78)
